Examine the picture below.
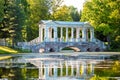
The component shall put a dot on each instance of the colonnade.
(49, 33)
(47, 71)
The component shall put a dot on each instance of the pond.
(61, 66)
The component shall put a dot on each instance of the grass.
(5, 57)
(7, 50)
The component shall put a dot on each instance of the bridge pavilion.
(56, 35)
(53, 31)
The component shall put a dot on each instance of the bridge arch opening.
(88, 49)
(71, 48)
(97, 49)
(51, 50)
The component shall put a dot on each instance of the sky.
(76, 3)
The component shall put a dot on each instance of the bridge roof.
(65, 23)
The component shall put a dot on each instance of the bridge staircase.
(28, 45)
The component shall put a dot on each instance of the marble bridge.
(56, 35)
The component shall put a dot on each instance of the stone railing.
(26, 45)
(101, 43)
(2, 42)
(34, 41)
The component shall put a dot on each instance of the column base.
(72, 40)
(78, 40)
(55, 39)
(83, 39)
(93, 40)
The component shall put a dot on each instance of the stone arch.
(51, 50)
(88, 49)
(74, 48)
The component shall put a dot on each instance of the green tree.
(99, 78)
(1, 9)
(102, 15)
(74, 14)
(63, 14)
(54, 5)
(13, 20)
(37, 10)
(2, 28)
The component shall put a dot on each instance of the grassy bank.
(4, 57)
(7, 50)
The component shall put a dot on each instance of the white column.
(92, 68)
(77, 69)
(55, 33)
(77, 34)
(61, 35)
(50, 70)
(41, 33)
(55, 71)
(50, 34)
(61, 70)
(66, 34)
(84, 67)
(72, 70)
(92, 35)
(46, 72)
(66, 64)
(84, 34)
(40, 71)
(87, 38)
(72, 34)
(46, 33)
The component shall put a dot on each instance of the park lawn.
(7, 50)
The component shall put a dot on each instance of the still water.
(61, 66)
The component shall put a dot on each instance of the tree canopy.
(104, 16)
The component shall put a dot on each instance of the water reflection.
(54, 67)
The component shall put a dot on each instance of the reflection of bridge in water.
(56, 35)
(68, 67)
(59, 66)
(49, 67)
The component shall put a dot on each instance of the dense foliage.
(19, 18)
(104, 16)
